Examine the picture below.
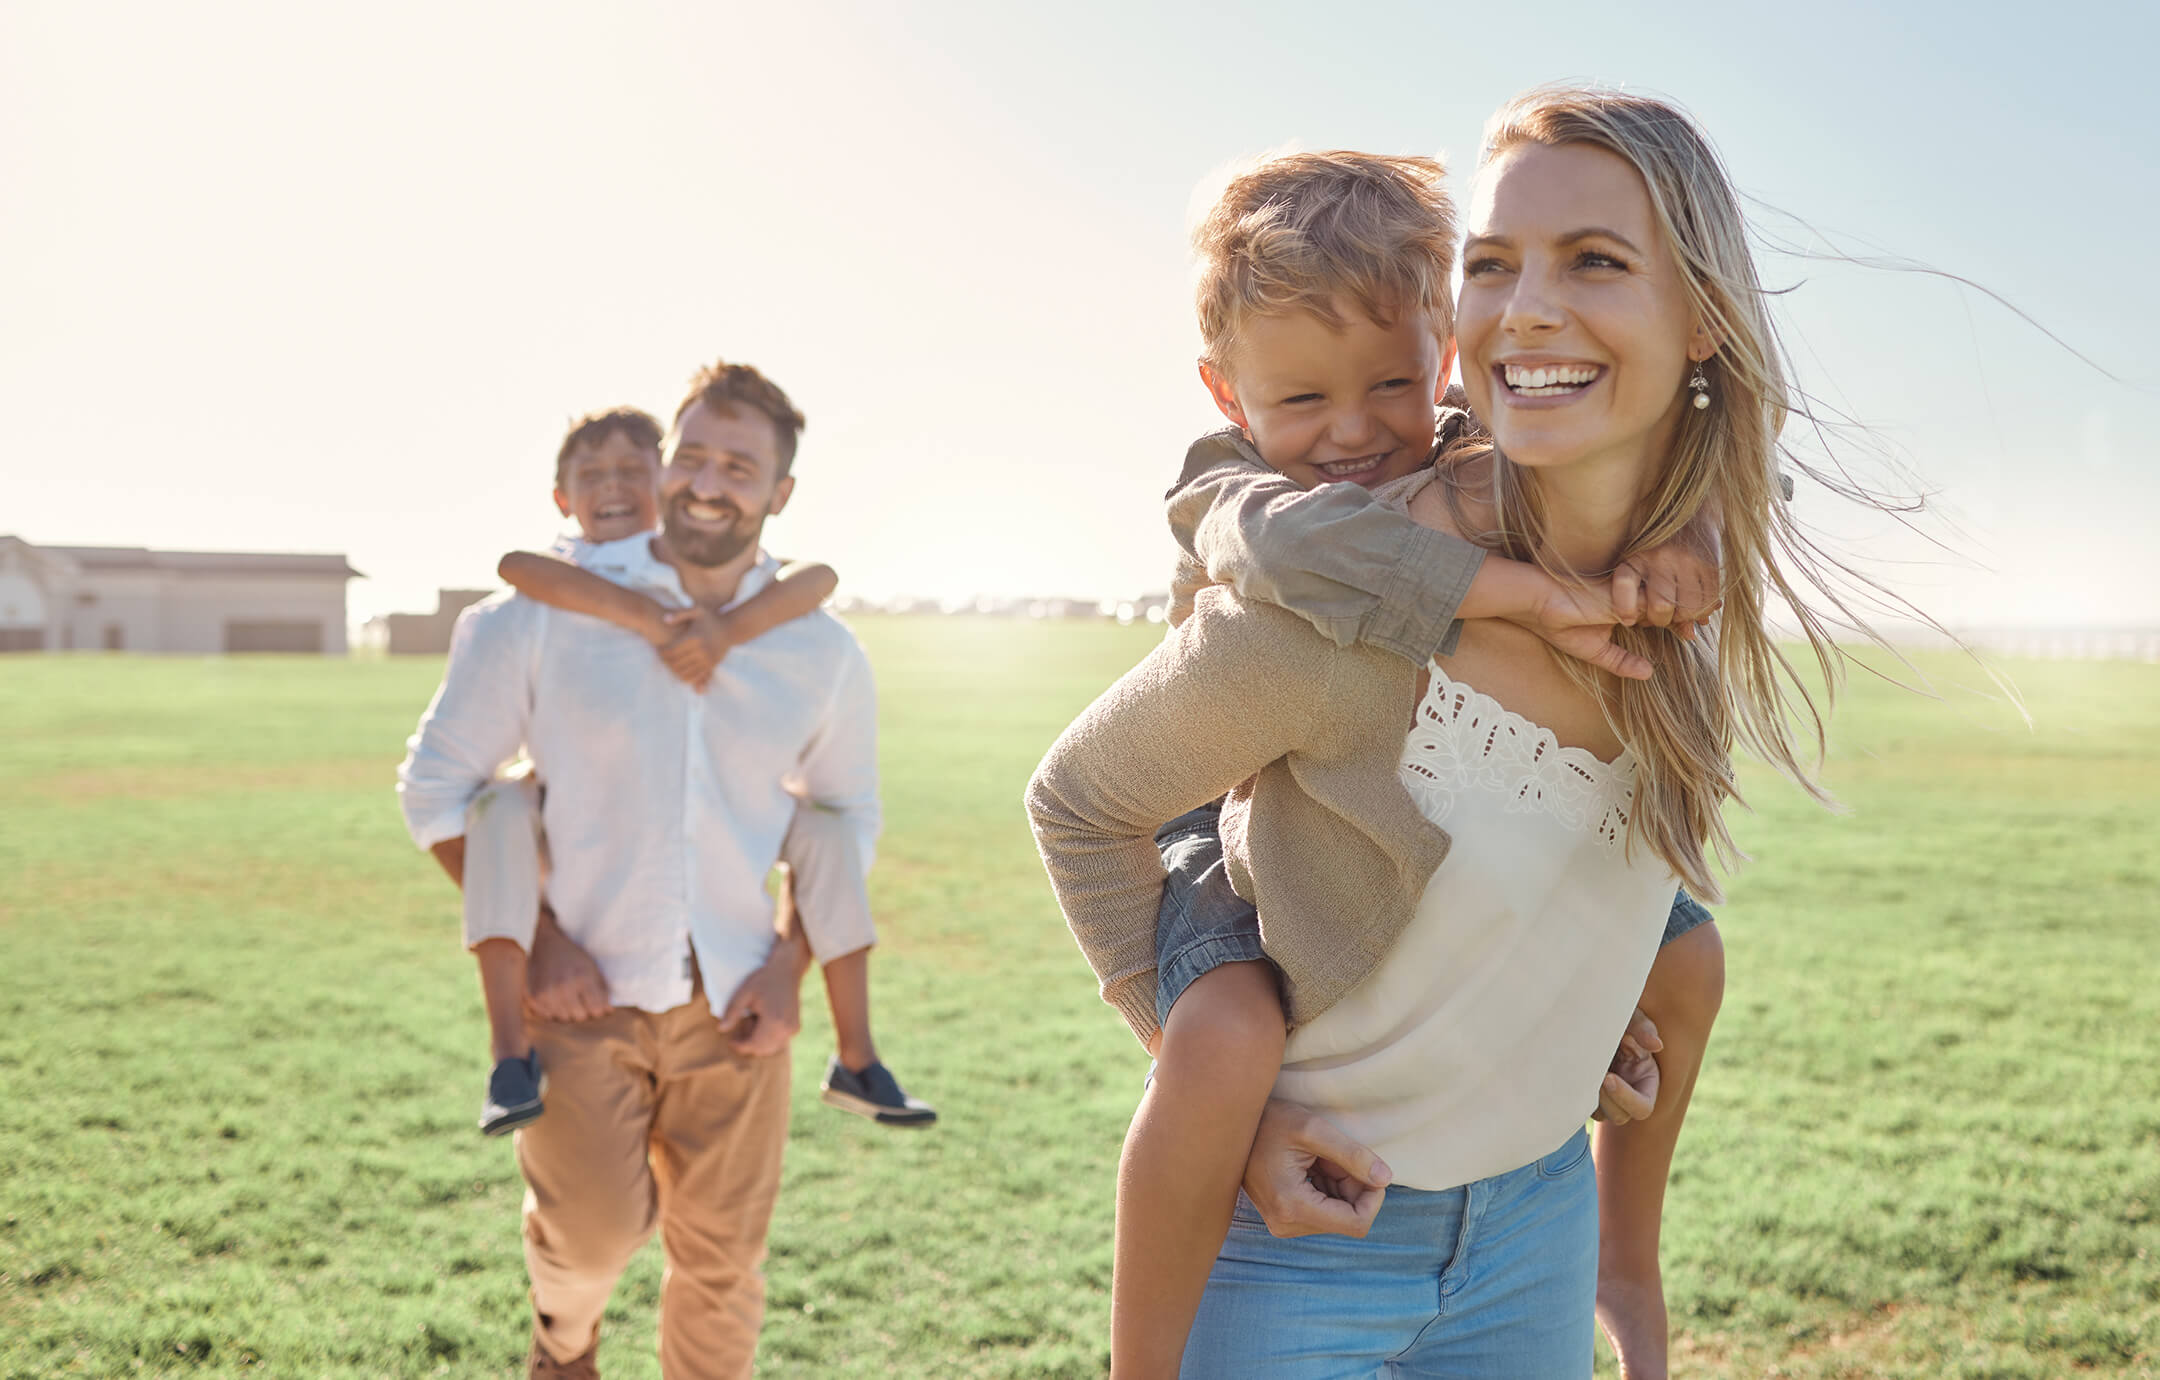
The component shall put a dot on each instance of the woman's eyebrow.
(1593, 232)
(1587, 232)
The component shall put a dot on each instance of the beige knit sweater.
(1318, 831)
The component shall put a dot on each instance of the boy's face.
(612, 489)
(1327, 406)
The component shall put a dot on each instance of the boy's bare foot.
(873, 1092)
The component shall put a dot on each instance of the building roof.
(120, 558)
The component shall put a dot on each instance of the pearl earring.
(1701, 387)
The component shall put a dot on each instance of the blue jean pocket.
(1567, 1159)
(1245, 1214)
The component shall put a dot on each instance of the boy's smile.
(611, 488)
(1326, 406)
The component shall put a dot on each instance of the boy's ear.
(562, 503)
(1447, 369)
(1219, 389)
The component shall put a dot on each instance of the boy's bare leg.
(1184, 1158)
(847, 993)
(502, 989)
(1686, 987)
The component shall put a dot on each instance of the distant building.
(427, 634)
(131, 599)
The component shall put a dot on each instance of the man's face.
(1325, 406)
(610, 488)
(719, 481)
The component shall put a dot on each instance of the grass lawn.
(240, 1050)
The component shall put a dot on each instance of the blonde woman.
(1529, 815)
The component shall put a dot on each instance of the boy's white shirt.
(665, 808)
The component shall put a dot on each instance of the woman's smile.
(1538, 383)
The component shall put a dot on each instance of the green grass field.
(240, 1048)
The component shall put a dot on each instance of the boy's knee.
(1688, 979)
(502, 804)
(1228, 1023)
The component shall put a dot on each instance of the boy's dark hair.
(636, 425)
(721, 385)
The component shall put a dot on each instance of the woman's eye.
(1591, 258)
(1478, 268)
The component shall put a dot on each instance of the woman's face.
(1575, 326)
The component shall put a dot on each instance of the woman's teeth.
(1549, 381)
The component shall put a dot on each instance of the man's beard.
(702, 547)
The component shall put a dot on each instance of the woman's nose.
(1531, 306)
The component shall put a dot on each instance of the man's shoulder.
(826, 634)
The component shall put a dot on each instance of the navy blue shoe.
(874, 1093)
(513, 1095)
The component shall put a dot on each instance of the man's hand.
(766, 1010)
(1308, 1178)
(1629, 1092)
(1579, 622)
(1672, 586)
(562, 983)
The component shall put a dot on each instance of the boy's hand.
(1308, 1178)
(699, 640)
(1672, 586)
(1579, 622)
(1629, 1092)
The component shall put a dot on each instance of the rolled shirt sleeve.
(476, 722)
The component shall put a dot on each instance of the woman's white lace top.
(1479, 1042)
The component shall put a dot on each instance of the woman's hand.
(1308, 1178)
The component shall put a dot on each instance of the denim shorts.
(1494, 1280)
(1687, 913)
(1203, 924)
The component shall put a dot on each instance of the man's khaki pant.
(652, 1120)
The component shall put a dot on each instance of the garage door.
(265, 636)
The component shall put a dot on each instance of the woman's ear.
(1219, 389)
(1701, 344)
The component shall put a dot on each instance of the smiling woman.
(1514, 822)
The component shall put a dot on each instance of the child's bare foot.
(513, 1095)
(1632, 1316)
(873, 1092)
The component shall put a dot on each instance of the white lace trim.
(1464, 740)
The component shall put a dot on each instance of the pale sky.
(331, 278)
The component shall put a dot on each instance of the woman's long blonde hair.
(1734, 685)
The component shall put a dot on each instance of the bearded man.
(664, 812)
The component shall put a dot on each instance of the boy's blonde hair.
(1293, 231)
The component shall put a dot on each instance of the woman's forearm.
(562, 585)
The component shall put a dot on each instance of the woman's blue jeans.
(1495, 1280)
